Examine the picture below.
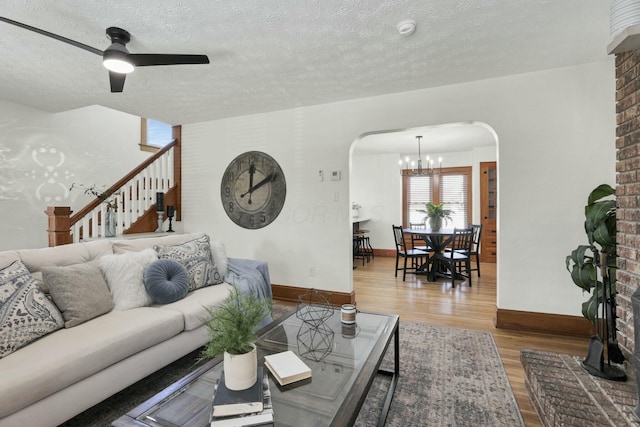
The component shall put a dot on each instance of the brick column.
(59, 225)
(627, 191)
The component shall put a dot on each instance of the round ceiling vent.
(407, 27)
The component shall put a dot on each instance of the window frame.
(144, 138)
(435, 190)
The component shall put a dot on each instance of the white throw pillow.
(124, 274)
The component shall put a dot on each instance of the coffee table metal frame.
(350, 407)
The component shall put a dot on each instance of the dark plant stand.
(605, 329)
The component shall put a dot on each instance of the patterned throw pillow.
(26, 314)
(195, 255)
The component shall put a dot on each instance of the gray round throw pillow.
(166, 280)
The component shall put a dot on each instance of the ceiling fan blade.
(52, 35)
(117, 81)
(149, 59)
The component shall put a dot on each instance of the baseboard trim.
(291, 293)
(543, 322)
(384, 252)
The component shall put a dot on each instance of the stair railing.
(128, 199)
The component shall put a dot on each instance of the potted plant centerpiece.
(232, 332)
(435, 214)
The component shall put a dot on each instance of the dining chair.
(475, 247)
(418, 258)
(417, 239)
(458, 256)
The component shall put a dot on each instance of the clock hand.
(268, 178)
(252, 170)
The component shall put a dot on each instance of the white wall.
(555, 130)
(376, 185)
(42, 154)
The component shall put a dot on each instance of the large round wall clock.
(253, 190)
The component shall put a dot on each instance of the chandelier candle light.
(427, 170)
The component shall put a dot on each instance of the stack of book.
(251, 407)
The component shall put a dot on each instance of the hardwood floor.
(437, 303)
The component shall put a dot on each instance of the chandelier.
(408, 168)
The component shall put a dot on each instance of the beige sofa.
(71, 369)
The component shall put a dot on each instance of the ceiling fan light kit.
(117, 62)
(116, 58)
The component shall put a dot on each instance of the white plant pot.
(240, 370)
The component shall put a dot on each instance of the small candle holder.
(160, 216)
(159, 210)
(170, 213)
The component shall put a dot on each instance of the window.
(154, 134)
(451, 186)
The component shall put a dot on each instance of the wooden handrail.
(93, 204)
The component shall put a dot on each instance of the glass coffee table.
(344, 360)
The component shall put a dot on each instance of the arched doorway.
(375, 179)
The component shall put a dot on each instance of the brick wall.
(627, 191)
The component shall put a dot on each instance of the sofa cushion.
(134, 245)
(124, 274)
(70, 355)
(195, 255)
(166, 280)
(8, 257)
(76, 253)
(80, 292)
(26, 314)
(193, 305)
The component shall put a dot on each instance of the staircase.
(131, 203)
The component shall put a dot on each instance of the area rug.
(448, 377)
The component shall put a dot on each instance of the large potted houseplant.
(436, 213)
(584, 262)
(232, 332)
(600, 226)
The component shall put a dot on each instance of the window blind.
(454, 192)
(419, 193)
(452, 187)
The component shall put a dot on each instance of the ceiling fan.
(116, 58)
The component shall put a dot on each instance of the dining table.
(438, 241)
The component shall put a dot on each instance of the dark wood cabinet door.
(488, 211)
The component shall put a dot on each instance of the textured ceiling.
(271, 55)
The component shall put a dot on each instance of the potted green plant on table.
(232, 332)
(435, 214)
